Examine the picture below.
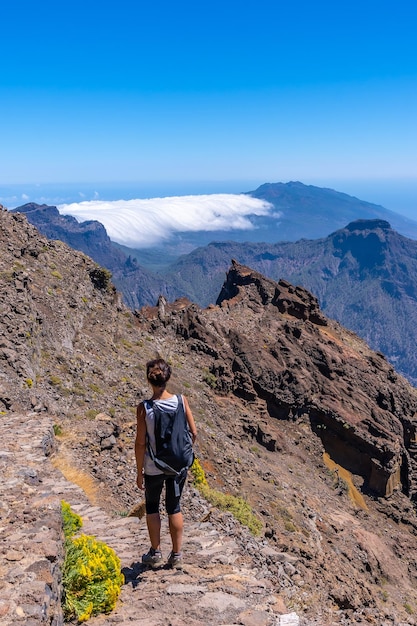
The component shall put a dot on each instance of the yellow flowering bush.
(91, 578)
(199, 477)
(91, 574)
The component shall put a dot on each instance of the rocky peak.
(366, 242)
(360, 225)
(269, 342)
(243, 283)
(32, 208)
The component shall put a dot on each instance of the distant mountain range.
(306, 212)
(310, 212)
(364, 276)
(363, 272)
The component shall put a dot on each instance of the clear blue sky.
(236, 93)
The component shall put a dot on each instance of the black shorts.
(153, 490)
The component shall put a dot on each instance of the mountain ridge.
(337, 275)
(363, 275)
(274, 385)
(91, 238)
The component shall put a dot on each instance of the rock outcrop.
(269, 341)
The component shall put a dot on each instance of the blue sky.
(211, 96)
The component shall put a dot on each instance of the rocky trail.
(225, 579)
(218, 584)
(229, 577)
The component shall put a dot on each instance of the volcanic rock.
(269, 342)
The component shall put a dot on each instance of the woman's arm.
(190, 419)
(140, 443)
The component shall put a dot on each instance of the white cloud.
(142, 223)
(25, 197)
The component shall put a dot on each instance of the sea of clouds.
(142, 223)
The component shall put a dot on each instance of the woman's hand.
(140, 481)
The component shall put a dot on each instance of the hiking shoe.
(175, 560)
(153, 558)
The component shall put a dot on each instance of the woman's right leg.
(176, 527)
(173, 508)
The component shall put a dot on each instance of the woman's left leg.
(173, 508)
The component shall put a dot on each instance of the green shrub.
(237, 506)
(199, 477)
(289, 526)
(209, 378)
(101, 277)
(71, 522)
(95, 388)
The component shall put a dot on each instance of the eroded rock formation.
(269, 342)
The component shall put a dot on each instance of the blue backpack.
(173, 453)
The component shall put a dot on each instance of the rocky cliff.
(137, 285)
(269, 343)
(295, 414)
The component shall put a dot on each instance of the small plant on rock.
(101, 277)
(71, 522)
(209, 378)
(57, 430)
(237, 506)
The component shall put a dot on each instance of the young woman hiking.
(152, 479)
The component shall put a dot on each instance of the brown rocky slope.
(295, 414)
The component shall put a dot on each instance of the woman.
(152, 479)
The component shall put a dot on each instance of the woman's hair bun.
(158, 372)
